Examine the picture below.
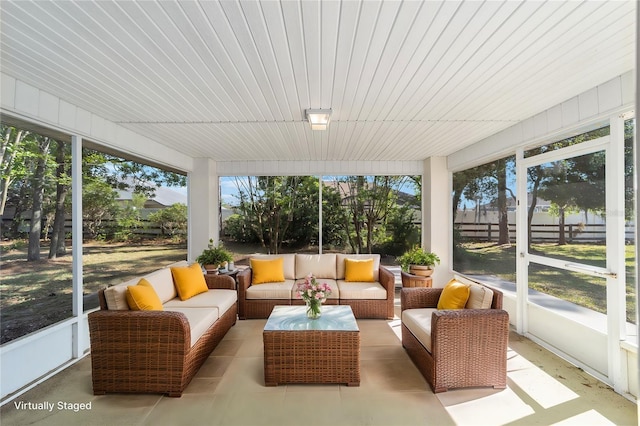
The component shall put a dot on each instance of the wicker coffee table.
(300, 350)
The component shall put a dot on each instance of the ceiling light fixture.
(318, 118)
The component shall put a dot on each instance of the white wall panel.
(34, 105)
(49, 107)
(554, 118)
(589, 108)
(7, 91)
(588, 103)
(26, 98)
(31, 357)
(570, 112)
(610, 94)
(328, 168)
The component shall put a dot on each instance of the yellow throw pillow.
(189, 281)
(267, 270)
(143, 297)
(359, 270)
(454, 295)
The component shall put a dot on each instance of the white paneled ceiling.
(230, 80)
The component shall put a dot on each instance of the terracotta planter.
(421, 270)
(211, 269)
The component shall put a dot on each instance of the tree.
(10, 147)
(277, 208)
(38, 184)
(98, 204)
(172, 220)
(63, 181)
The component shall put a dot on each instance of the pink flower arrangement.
(312, 292)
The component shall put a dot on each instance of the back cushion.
(116, 296)
(289, 263)
(341, 268)
(480, 297)
(162, 282)
(320, 265)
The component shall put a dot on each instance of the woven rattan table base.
(311, 356)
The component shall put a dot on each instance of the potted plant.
(213, 257)
(418, 261)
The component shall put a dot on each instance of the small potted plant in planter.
(213, 257)
(418, 261)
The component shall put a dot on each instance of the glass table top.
(292, 318)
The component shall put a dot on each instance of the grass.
(584, 290)
(36, 294)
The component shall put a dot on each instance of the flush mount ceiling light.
(318, 118)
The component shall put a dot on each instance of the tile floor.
(229, 390)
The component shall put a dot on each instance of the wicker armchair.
(468, 346)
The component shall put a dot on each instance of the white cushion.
(162, 282)
(320, 265)
(116, 296)
(200, 319)
(361, 290)
(280, 290)
(222, 299)
(418, 321)
(335, 291)
(340, 268)
(480, 297)
(288, 264)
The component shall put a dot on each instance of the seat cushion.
(361, 290)
(320, 265)
(418, 321)
(281, 290)
(162, 282)
(335, 291)
(340, 265)
(189, 281)
(142, 297)
(222, 299)
(200, 319)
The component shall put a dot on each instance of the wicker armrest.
(419, 297)
(135, 332)
(387, 280)
(220, 282)
(451, 330)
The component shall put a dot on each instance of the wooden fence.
(588, 233)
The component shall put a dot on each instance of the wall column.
(204, 194)
(436, 216)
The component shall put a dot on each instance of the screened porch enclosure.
(429, 89)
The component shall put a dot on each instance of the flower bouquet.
(314, 295)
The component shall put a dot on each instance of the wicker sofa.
(456, 348)
(153, 351)
(367, 299)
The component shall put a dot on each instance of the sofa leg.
(174, 394)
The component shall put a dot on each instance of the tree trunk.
(35, 227)
(561, 239)
(503, 219)
(7, 165)
(57, 246)
(534, 202)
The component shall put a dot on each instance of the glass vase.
(314, 309)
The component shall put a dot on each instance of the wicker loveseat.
(158, 351)
(456, 348)
(368, 299)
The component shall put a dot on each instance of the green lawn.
(584, 290)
